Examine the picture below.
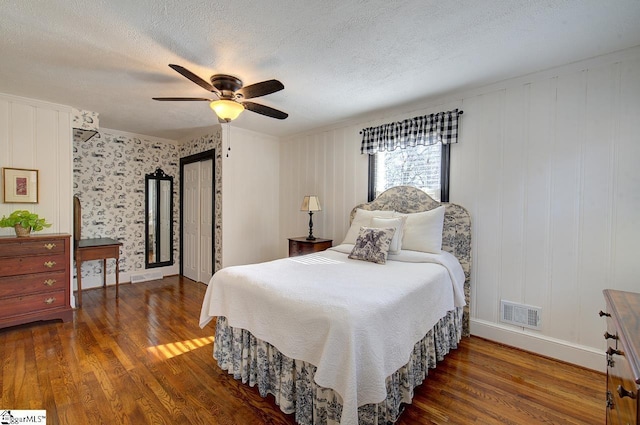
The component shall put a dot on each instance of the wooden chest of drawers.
(302, 246)
(623, 361)
(34, 279)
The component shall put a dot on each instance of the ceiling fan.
(230, 95)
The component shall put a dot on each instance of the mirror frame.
(158, 176)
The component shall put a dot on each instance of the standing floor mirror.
(159, 219)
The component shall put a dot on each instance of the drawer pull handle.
(50, 282)
(611, 351)
(49, 246)
(50, 264)
(602, 313)
(622, 392)
(50, 300)
(607, 335)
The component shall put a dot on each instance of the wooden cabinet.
(34, 279)
(302, 246)
(623, 361)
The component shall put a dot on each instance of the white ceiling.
(337, 58)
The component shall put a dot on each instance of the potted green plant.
(24, 222)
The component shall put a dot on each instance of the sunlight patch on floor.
(313, 259)
(173, 349)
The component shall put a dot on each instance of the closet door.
(191, 222)
(206, 221)
(197, 262)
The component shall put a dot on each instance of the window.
(413, 152)
(424, 167)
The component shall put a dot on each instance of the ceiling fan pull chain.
(228, 138)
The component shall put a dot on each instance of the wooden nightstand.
(301, 246)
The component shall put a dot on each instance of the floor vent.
(143, 277)
(520, 314)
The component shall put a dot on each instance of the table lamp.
(311, 204)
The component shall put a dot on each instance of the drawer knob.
(622, 392)
(611, 351)
(49, 282)
(607, 335)
(49, 300)
(602, 313)
(50, 264)
(49, 246)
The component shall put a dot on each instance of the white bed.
(339, 340)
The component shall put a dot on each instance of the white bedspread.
(356, 321)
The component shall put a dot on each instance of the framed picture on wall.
(20, 185)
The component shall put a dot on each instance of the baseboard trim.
(580, 355)
(95, 281)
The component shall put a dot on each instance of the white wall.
(327, 164)
(250, 197)
(547, 164)
(37, 135)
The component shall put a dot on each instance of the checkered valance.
(425, 130)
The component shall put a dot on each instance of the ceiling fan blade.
(193, 77)
(182, 98)
(261, 89)
(265, 110)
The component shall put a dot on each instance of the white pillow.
(396, 223)
(363, 219)
(423, 231)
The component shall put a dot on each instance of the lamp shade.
(310, 203)
(227, 109)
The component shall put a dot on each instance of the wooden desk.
(97, 249)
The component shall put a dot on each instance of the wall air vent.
(146, 276)
(520, 314)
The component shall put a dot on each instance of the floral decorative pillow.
(372, 244)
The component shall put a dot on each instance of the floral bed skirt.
(291, 381)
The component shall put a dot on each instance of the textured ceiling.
(337, 58)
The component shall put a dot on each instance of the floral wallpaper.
(84, 120)
(85, 124)
(109, 177)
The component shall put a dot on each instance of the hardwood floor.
(143, 359)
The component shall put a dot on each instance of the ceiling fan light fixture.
(227, 110)
(228, 89)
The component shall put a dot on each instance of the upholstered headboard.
(456, 233)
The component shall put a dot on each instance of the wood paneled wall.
(547, 164)
(250, 197)
(37, 135)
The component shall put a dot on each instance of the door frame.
(198, 157)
